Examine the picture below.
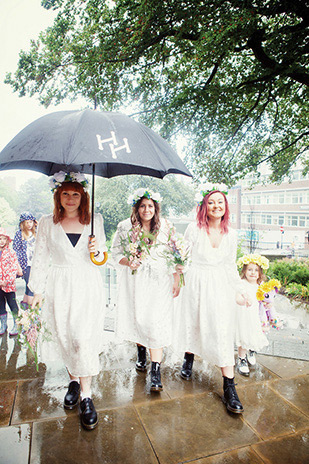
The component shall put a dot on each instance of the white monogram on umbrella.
(112, 145)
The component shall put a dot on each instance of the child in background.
(249, 334)
(23, 244)
(8, 271)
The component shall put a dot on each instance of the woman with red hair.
(74, 302)
(206, 308)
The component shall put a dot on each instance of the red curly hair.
(202, 213)
(84, 207)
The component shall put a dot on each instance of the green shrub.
(298, 291)
(290, 270)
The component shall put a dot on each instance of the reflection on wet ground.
(187, 422)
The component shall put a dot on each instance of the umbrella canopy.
(76, 140)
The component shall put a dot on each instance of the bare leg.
(85, 385)
(228, 371)
(242, 352)
(156, 354)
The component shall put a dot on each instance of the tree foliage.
(7, 214)
(111, 197)
(231, 76)
(35, 196)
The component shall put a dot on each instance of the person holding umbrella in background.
(23, 245)
(146, 284)
(69, 287)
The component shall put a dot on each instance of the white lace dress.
(145, 299)
(74, 300)
(205, 310)
(249, 333)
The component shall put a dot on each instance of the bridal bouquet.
(30, 325)
(137, 245)
(177, 251)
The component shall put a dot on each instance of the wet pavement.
(187, 422)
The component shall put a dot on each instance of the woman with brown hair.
(146, 284)
(74, 302)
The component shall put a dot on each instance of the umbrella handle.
(99, 263)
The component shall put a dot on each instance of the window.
(281, 198)
(281, 220)
(302, 221)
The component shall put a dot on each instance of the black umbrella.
(104, 143)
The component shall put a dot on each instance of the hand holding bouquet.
(177, 253)
(30, 325)
(137, 245)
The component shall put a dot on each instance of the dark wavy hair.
(202, 213)
(84, 207)
(155, 221)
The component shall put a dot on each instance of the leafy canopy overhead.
(231, 76)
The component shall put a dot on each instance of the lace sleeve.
(232, 271)
(41, 258)
(117, 245)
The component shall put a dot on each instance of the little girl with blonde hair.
(249, 334)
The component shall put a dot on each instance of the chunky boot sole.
(70, 406)
(185, 377)
(91, 426)
(228, 407)
(156, 389)
(140, 368)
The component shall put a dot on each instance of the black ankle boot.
(155, 377)
(72, 395)
(88, 414)
(230, 398)
(141, 358)
(186, 370)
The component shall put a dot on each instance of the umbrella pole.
(105, 255)
(92, 199)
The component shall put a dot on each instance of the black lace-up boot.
(186, 370)
(141, 358)
(230, 398)
(155, 377)
(72, 395)
(88, 414)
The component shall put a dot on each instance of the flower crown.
(266, 287)
(144, 193)
(60, 177)
(261, 261)
(206, 188)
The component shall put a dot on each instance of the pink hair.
(202, 214)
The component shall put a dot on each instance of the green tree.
(230, 76)
(7, 214)
(111, 197)
(35, 196)
(8, 192)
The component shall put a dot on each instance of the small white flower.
(198, 198)
(139, 192)
(156, 197)
(59, 176)
(80, 177)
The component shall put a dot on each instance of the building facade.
(270, 215)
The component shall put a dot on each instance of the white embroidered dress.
(205, 310)
(74, 299)
(145, 299)
(249, 333)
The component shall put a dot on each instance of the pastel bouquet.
(30, 325)
(177, 251)
(136, 246)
